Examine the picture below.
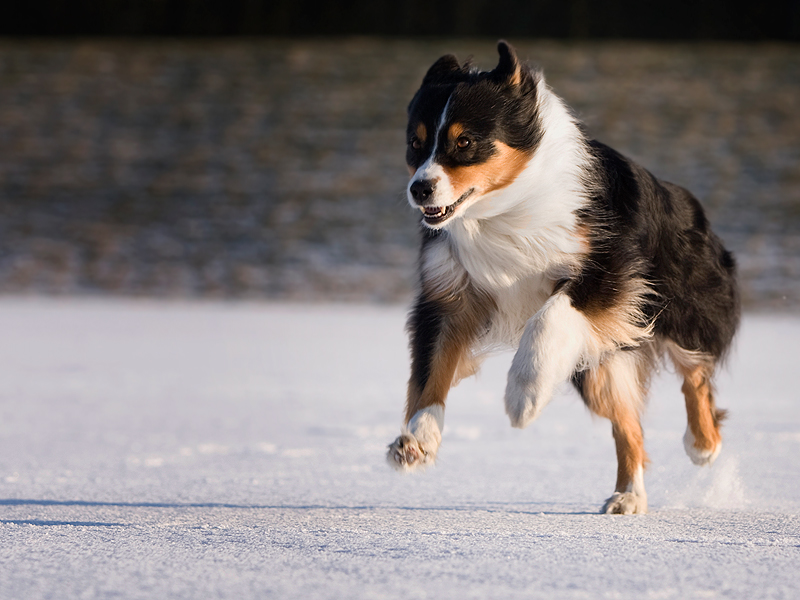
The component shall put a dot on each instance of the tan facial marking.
(496, 173)
(455, 131)
(421, 132)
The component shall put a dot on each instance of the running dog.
(538, 238)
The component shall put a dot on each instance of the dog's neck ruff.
(529, 228)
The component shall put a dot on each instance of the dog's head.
(470, 133)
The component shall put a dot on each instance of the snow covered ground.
(201, 450)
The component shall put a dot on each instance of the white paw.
(407, 454)
(625, 503)
(418, 444)
(521, 405)
(699, 456)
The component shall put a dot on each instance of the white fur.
(625, 384)
(554, 343)
(420, 438)
(537, 209)
(516, 242)
(632, 501)
(546, 194)
(698, 456)
(432, 171)
(441, 269)
(427, 426)
(528, 229)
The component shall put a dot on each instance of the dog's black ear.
(508, 70)
(442, 70)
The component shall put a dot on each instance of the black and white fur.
(538, 238)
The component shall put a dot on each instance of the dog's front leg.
(552, 346)
(442, 331)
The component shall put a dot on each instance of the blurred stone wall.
(274, 168)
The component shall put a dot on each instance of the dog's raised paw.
(521, 408)
(407, 454)
(625, 503)
(700, 456)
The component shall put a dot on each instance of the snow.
(210, 450)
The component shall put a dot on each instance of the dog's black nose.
(421, 190)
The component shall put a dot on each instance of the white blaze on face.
(432, 171)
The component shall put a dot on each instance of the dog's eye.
(463, 142)
(416, 144)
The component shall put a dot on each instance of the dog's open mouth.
(433, 215)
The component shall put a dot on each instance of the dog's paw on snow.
(625, 503)
(407, 454)
(418, 442)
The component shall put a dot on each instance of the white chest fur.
(516, 284)
(515, 243)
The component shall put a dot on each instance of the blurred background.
(255, 149)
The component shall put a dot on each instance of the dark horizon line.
(713, 20)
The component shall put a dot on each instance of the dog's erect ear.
(442, 70)
(508, 70)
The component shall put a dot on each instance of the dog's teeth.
(435, 211)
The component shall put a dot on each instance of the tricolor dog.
(537, 238)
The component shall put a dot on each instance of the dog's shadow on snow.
(535, 509)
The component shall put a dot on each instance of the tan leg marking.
(465, 314)
(700, 411)
(616, 389)
(703, 418)
(702, 440)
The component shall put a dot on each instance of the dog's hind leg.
(702, 439)
(616, 389)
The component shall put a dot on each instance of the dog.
(537, 238)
